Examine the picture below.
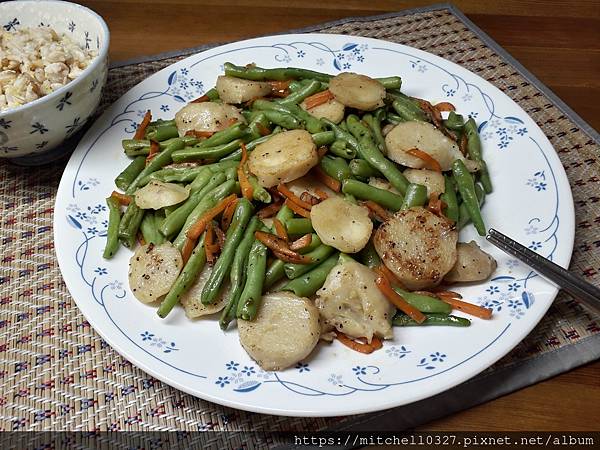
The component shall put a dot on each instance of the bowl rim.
(99, 59)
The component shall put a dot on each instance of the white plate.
(531, 202)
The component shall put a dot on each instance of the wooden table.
(559, 41)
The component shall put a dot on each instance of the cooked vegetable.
(191, 300)
(112, 232)
(449, 197)
(474, 150)
(207, 116)
(238, 90)
(427, 138)
(152, 271)
(357, 91)
(432, 180)
(341, 224)
(130, 224)
(129, 174)
(402, 320)
(351, 302)
(472, 264)
(332, 110)
(284, 332)
(415, 195)
(466, 187)
(251, 296)
(363, 191)
(284, 157)
(417, 246)
(307, 284)
(157, 195)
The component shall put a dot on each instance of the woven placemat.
(56, 373)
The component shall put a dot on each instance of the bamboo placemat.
(56, 373)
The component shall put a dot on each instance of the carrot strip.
(380, 212)
(280, 246)
(288, 258)
(302, 242)
(376, 343)
(469, 308)
(355, 345)
(436, 205)
(154, 149)
(198, 228)
(141, 129)
(123, 199)
(279, 85)
(264, 131)
(283, 189)
(430, 161)
(202, 99)
(245, 185)
(270, 210)
(445, 293)
(199, 134)
(383, 269)
(318, 99)
(188, 247)
(208, 244)
(280, 230)
(141, 239)
(227, 216)
(321, 151)
(383, 283)
(328, 181)
(463, 144)
(445, 107)
(322, 195)
(297, 209)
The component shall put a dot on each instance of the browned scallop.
(472, 264)
(417, 246)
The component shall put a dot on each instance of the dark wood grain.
(558, 41)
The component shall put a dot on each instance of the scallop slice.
(206, 116)
(191, 300)
(283, 157)
(472, 264)
(331, 110)
(285, 331)
(156, 195)
(341, 224)
(357, 91)
(432, 180)
(238, 90)
(152, 271)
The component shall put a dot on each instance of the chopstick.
(571, 283)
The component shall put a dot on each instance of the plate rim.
(248, 406)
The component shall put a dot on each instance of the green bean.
(287, 121)
(315, 242)
(454, 122)
(162, 133)
(212, 94)
(256, 73)
(403, 320)
(312, 281)
(335, 167)
(408, 110)
(185, 280)
(201, 180)
(175, 221)
(284, 215)
(275, 272)
(362, 169)
(369, 151)
(466, 187)
(112, 231)
(299, 84)
(136, 147)
(259, 193)
(125, 178)
(198, 153)
(187, 141)
(237, 274)
(130, 224)
(236, 131)
(149, 229)
(299, 226)
(174, 175)
(161, 159)
(463, 214)
(297, 97)
(235, 156)
(350, 199)
(317, 256)
(394, 119)
(374, 123)
(424, 303)
(209, 200)
(231, 173)
(341, 149)
(390, 82)
(161, 122)
(449, 198)
(369, 256)
(221, 166)
(258, 123)
(252, 294)
(342, 134)
(416, 195)
(235, 234)
(364, 191)
(474, 150)
(313, 125)
(323, 138)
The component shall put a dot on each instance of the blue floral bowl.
(33, 133)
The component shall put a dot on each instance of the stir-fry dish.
(304, 206)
